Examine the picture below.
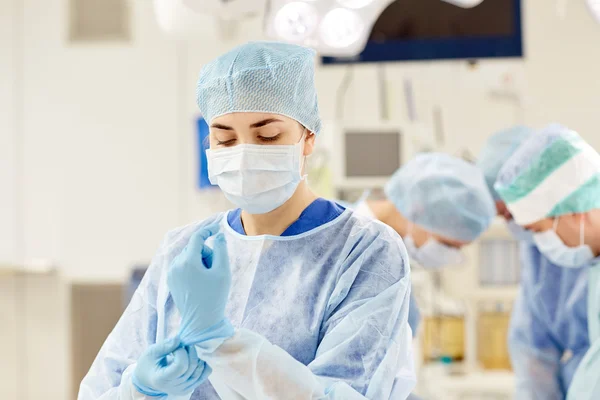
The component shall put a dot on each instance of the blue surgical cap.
(443, 194)
(497, 150)
(266, 77)
(553, 173)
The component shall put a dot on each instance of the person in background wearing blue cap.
(286, 296)
(551, 188)
(437, 203)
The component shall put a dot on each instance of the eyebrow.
(264, 122)
(221, 126)
(258, 124)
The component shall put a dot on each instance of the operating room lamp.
(332, 27)
(464, 3)
(594, 6)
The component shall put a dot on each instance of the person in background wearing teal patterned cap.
(287, 295)
(498, 148)
(551, 187)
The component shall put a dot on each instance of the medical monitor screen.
(434, 29)
(370, 154)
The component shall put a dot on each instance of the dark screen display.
(372, 154)
(434, 19)
(410, 30)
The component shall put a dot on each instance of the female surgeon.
(437, 203)
(286, 296)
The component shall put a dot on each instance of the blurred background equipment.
(443, 338)
(186, 19)
(228, 9)
(499, 263)
(332, 27)
(594, 8)
(464, 3)
(492, 334)
(342, 28)
(436, 30)
(466, 313)
(366, 155)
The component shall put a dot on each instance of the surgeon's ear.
(309, 143)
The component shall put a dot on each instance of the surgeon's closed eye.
(229, 142)
(268, 139)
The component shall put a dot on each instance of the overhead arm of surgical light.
(332, 27)
(188, 17)
(594, 6)
(226, 8)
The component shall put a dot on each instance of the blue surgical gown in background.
(586, 382)
(334, 297)
(548, 335)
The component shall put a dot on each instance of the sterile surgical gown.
(548, 335)
(327, 308)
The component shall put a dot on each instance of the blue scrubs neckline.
(318, 213)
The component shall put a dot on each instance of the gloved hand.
(199, 280)
(167, 368)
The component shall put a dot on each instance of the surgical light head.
(594, 6)
(464, 3)
(333, 27)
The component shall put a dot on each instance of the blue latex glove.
(199, 280)
(167, 368)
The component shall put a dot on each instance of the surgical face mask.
(518, 232)
(257, 178)
(433, 254)
(551, 246)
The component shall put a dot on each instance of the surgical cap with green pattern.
(555, 172)
(497, 150)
